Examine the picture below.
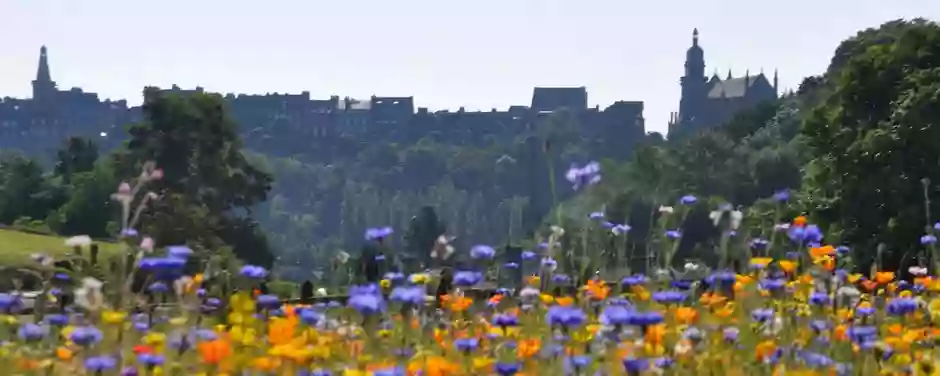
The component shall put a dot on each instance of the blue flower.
(150, 360)
(504, 320)
(928, 239)
(393, 371)
(158, 287)
(616, 315)
(781, 196)
(482, 252)
(508, 369)
(268, 301)
(565, 316)
(467, 278)
(100, 363)
(633, 280)
(529, 255)
(902, 306)
(378, 233)
(160, 264)
(596, 215)
(668, 297)
(758, 244)
(86, 335)
(772, 284)
(590, 174)
(636, 366)
(620, 229)
(819, 298)
(688, 200)
(644, 319)
(253, 272)
(673, 234)
(762, 314)
(56, 319)
(32, 332)
(511, 265)
(408, 295)
(367, 304)
(179, 251)
(394, 276)
(10, 303)
(466, 344)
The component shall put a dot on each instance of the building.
(287, 124)
(710, 102)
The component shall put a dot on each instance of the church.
(710, 102)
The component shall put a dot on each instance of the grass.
(17, 246)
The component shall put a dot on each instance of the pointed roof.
(42, 73)
(736, 87)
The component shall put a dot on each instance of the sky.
(448, 54)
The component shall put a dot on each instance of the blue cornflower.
(616, 315)
(508, 369)
(466, 344)
(633, 280)
(161, 264)
(681, 284)
(590, 174)
(511, 265)
(150, 360)
(378, 233)
(722, 278)
(482, 252)
(10, 303)
(688, 200)
(505, 320)
(668, 297)
(758, 244)
(467, 278)
(673, 234)
(772, 284)
(561, 278)
(56, 319)
(762, 314)
(367, 304)
(32, 332)
(902, 306)
(395, 277)
(596, 215)
(819, 298)
(86, 335)
(928, 239)
(636, 366)
(620, 229)
(179, 251)
(529, 255)
(268, 301)
(408, 294)
(565, 316)
(392, 371)
(644, 319)
(781, 196)
(100, 363)
(158, 287)
(253, 272)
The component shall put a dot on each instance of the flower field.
(799, 314)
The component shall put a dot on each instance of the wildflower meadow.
(794, 307)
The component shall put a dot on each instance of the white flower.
(666, 209)
(691, 266)
(147, 244)
(917, 271)
(682, 347)
(321, 292)
(43, 259)
(342, 257)
(89, 295)
(773, 327)
(182, 284)
(781, 226)
(78, 241)
(715, 216)
(558, 231)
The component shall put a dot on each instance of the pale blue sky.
(446, 53)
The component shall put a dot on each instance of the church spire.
(695, 37)
(42, 73)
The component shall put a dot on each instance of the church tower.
(692, 103)
(44, 89)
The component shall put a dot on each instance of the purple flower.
(590, 174)
(528, 255)
(158, 264)
(150, 360)
(367, 304)
(636, 366)
(508, 369)
(32, 332)
(616, 315)
(466, 344)
(668, 297)
(633, 280)
(408, 295)
(762, 314)
(688, 200)
(378, 233)
(482, 252)
(758, 244)
(86, 335)
(902, 306)
(179, 251)
(644, 319)
(100, 363)
(467, 278)
(158, 287)
(268, 301)
(781, 196)
(805, 235)
(253, 272)
(565, 316)
(673, 234)
(620, 229)
(504, 320)
(928, 239)
(596, 215)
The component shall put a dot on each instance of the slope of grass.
(17, 246)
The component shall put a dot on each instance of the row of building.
(52, 113)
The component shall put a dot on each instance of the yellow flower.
(419, 278)
(547, 298)
(385, 284)
(761, 262)
(113, 317)
(178, 321)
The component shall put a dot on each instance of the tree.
(873, 142)
(419, 240)
(207, 184)
(76, 155)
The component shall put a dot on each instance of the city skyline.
(615, 51)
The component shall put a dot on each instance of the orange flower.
(799, 221)
(461, 304)
(64, 353)
(214, 352)
(765, 350)
(265, 363)
(787, 266)
(826, 250)
(496, 299)
(686, 315)
(281, 330)
(529, 347)
(433, 366)
(564, 301)
(597, 289)
(884, 278)
(655, 334)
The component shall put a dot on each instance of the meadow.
(794, 308)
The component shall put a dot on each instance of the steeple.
(43, 87)
(695, 37)
(42, 74)
(729, 73)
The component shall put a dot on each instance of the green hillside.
(17, 246)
